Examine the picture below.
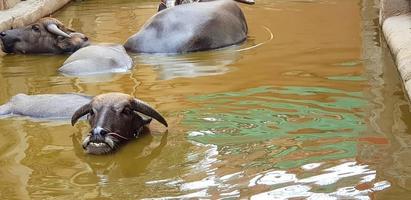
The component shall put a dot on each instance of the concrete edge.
(6, 4)
(397, 32)
(27, 12)
(389, 8)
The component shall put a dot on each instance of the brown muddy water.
(316, 112)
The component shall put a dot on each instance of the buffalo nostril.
(2, 34)
(100, 131)
(103, 132)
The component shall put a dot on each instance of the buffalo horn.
(52, 28)
(251, 2)
(142, 107)
(80, 113)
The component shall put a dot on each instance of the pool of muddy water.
(310, 106)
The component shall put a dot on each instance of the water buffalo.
(191, 27)
(97, 59)
(48, 35)
(114, 119)
(44, 106)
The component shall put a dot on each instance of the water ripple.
(306, 187)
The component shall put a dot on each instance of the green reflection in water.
(352, 63)
(302, 114)
(347, 78)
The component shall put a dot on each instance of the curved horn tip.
(143, 107)
(73, 122)
(83, 110)
(54, 29)
(164, 123)
(160, 119)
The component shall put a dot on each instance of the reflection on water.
(316, 112)
(200, 63)
(296, 128)
(132, 164)
(361, 178)
(192, 65)
(324, 123)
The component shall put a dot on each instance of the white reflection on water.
(287, 192)
(336, 173)
(205, 166)
(298, 191)
(311, 166)
(205, 183)
(273, 178)
(200, 133)
(286, 185)
(210, 158)
(302, 187)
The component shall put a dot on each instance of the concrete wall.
(395, 20)
(27, 12)
(391, 8)
(6, 4)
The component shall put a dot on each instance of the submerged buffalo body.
(191, 27)
(44, 106)
(97, 59)
(48, 35)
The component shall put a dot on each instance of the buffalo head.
(48, 35)
(114, 119)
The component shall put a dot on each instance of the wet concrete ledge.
(6, 4)
(27, 12)
(395, 19)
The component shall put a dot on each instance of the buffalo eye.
(35, 28)
(91, 112)
(126, 111)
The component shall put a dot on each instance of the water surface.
(310, 106)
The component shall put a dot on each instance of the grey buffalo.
(97, 59)
(114, 119)
(44, 106)
(191, 27)
(47, 36)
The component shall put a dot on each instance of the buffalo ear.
(83, 110)
(143, 107)
(147, 121)
(161, 6)
(71, 30)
